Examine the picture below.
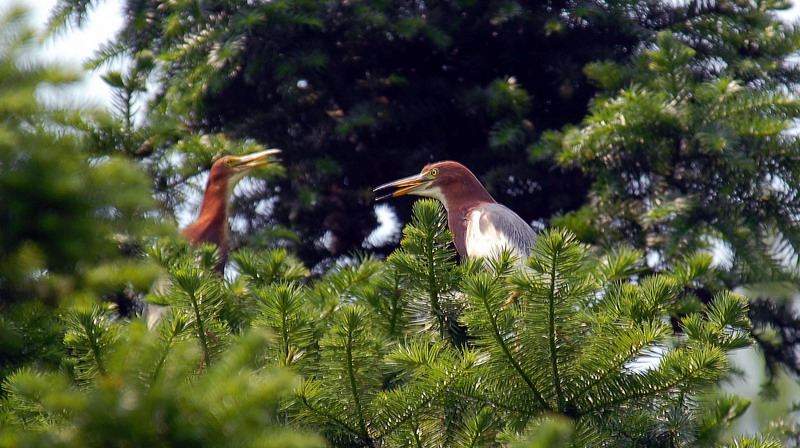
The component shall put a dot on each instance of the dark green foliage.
(63, 211)
(232, 404)
(70, 218)
(89, 334)
(684, 159)
(563, 349)
(30, 334)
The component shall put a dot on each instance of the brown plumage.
(480, 226)
(212, 225)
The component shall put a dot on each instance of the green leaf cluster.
(72, 218)
(572, 347)
(684, 157)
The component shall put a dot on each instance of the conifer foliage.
(659, 124)
(573, 345)
(684, 160)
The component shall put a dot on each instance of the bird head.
(441, 180)
(228, 170)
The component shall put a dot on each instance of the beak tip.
(402, 186)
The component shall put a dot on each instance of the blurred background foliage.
(665, 126)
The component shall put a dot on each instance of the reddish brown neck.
(463, 196)
(212, 223)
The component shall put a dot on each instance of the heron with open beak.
(481, 227)
(212, 225)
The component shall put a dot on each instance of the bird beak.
(256, 159)
(404, 186)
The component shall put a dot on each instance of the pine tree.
(71, 218)
(685, 160)
(577, 346)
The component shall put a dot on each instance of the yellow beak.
(404, 186)
(256, 159)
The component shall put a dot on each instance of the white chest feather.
(485, 239)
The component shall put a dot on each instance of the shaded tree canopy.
(357, 93)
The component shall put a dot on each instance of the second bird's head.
(441, 180)
(229, 170)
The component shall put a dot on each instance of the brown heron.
(212, 225)
(481, 227)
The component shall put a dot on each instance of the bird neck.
(466, 194)
(461, 198)
(212, 222)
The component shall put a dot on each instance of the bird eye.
(229, 163)
(435, 172)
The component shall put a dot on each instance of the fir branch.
(426, 262)
(603, 370)
(704, 364)
(474, 394)
(551, 336)
(171, 327)
(433, 288)
(90, 333)
(395, 309)
(283, 310)
(199, 322)
(486, 290)
(199, 293)
(309, 389)
(351, 324)
(432, 381)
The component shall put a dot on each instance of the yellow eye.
(435, 172)
(229, 163)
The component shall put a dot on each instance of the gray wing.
(518, 232)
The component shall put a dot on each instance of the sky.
(73, 47)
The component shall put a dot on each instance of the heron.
(212, 224)
(481, 227)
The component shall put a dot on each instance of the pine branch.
(66, 11)
(171, 328)
(310, 393)
(351, 325)
(198, 294)
(435, 376)
(90, 333)
(427, 263)
(705, 365)
(488, 295)
(551, 299)
(266, 267)
(627, 346)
